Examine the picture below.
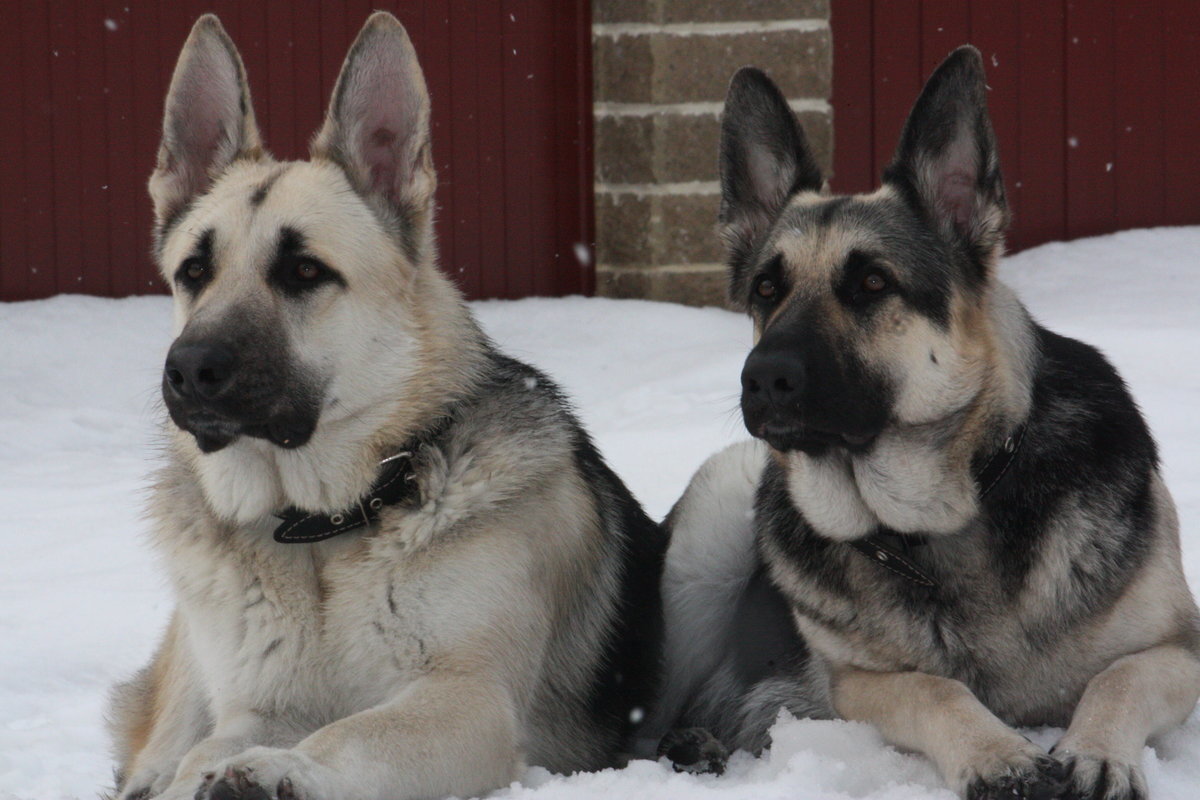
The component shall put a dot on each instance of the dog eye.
(307, 270)
(193, 269)
(874, 282)
(765, 288)
(864, 282)
(296, 274)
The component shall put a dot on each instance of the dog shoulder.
(514, 441)
(712, 523)
(710, 558)
(1083, 477)
(1082, 391)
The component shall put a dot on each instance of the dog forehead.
(289, 192)
(814, 248)
(816, 233)
(254, 202)
(301, 188)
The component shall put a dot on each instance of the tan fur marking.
(160, 673)
(136, 721)
(936, 716)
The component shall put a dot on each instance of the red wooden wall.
(81, 90)
(1096, 103)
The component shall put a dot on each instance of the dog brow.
(291, 241)
(260, 192)
(204, 244)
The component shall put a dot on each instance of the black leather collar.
(998, 464)
(396, 485)
(892, 550)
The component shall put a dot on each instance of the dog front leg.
(156, 717)
(442, 735)
(977, 754)
(231, 736)
(1136, 697)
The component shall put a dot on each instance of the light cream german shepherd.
(401, 569)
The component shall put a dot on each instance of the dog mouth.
(213, 432)
(788, 437)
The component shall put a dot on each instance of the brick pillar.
(661, 70)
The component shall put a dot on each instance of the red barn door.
(1096, 103)
(82, 89)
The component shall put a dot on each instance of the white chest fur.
(312, 632)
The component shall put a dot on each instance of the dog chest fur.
(364, 615)
(1026, 611)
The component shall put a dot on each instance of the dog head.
(864, 306)
(296, 285)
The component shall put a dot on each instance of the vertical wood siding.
(1096, 103)
(82, 92)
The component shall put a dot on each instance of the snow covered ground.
(82, 601)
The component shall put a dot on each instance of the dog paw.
(1097, 778)
(1040, 778)
(694, 750)
(262, 773)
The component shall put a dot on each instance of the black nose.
(199, 370)
(773, 377)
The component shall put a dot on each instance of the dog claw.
(236, 784)
(204, 791)
(1092, 778)
(286, 791)
(694, 750)
(1045, 779)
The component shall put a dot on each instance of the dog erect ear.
(947, 163)
(208, 122)
(377, 128)
(765, 159)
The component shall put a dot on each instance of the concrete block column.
(661, 71)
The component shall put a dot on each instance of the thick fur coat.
(505, 614)
(961, 512)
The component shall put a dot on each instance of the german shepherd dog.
(401, 568)
(961, 512)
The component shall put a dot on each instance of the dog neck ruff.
(892, 550)
(396, 485)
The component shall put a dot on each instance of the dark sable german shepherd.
(961, 511)
(458, 585)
